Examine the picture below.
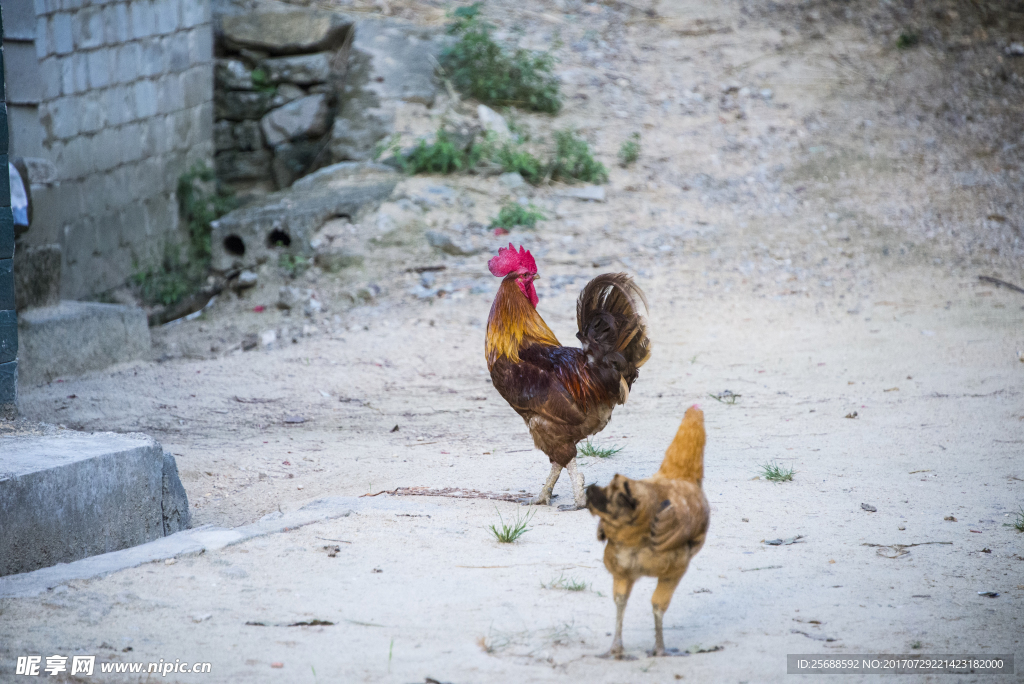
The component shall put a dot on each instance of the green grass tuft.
(773, 472)
(1018, 523)
(916, 645)
(630, 150)
(515, 214)
(573, 160)
(508, 533)
(908, 39)
(441, 156)
(293, 264)
(566, 584)
(496, 74)
(515, 159)
(588, 449)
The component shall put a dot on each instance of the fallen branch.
(450, 492)
(900, 549)
(1001, 283)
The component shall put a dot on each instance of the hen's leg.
(621, 587)
(544, 497)
(662, 597)
(579, 496)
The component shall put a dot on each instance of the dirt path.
(814, 249)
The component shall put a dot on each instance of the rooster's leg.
(579, 496)
(662, 597)
(621, 587)
(544, 498)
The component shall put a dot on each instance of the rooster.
(564, 394)
(654, 527)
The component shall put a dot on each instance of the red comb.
(509, 260)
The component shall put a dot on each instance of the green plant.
(566, 584)
(908, 39)
(515, 159)
(573, 160)
(443, 155)
(261, 82)
(630, 150)
(1018, 523)
(181, 269)
(293, 264)
(588, 449)
(916, 645)
(515, 214)
(773, 472)
(508, 533)
(496, 74)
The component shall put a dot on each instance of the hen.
(654, 527)
(564, 394)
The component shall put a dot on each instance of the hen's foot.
(617, 655)
(542, 499)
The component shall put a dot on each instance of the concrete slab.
(70, 495)
(72, 338)
(207, 538)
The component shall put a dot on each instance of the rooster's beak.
(536, 277)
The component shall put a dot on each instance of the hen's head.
(519, 264)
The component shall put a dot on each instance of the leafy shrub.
(494, 74)
(630, 150)
(573, 160)
(515, 214)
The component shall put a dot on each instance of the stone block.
(22, 71)
(293, 160)
(197, 86)
(80, 71)
(286, 33)
(233, 74)
(63, 117)
(169, 95)
(304, 118)
(9, 390)
(8, 336)
(25, 131)
(194, 13)
(71, 495)
(60, 25)
(300, 69)
(87, 28)
(72, 338)
(94, 116)
(145, 98)
(249, 235)
(100, 67)
(200, 45)
(37, 276)
(153, 57)
(143, 19)
(50, 75)
(224, 136)
(174, 502)
(128, 62)
(239, 166)
(176, 49)
(44, 41)
(166, 16)
(247, 136)
(116, 25)
(19, 21)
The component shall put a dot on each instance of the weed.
(496, 74)
(170, 279)
(391, 651)
(515, 214)
(573, 160)
(261, 81)
(726, 397)
(773, 472)
(908, 39)
(506, 534)
(916, 645)
(443, 155)
(630, 150)
(570, 584)
(514, 159)
(588, 449)
(294, 265)
(1018, 523)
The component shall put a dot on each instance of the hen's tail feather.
(612, 329)
(684, 458)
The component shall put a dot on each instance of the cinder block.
(163, 214)
(100, 67)
(115, 23)
(153, 57)
(197, 86)
(128, 58)
(176, 51)
(201, 44)
(42, 7)
(7, 285)
(63, 117)
(167, 19)
(22, 67)
(94, 117)
(8, 336)
(145, 98)
(71, 495)
(182, 128)
(50, 77)
(44, 42)
(143, 20)
(194, 13)
(60, 25)
(87, 28)
(19, 21)
(168, 93)
(81, 72)
(25, 130)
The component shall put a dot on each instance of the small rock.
(493, 121)
(170, 561)
(299, 69)
(244, 281)
(286, 92)
(202, 618)
(869, 508)
(767, 94)
(250, 342)
(1015, 50)
(268, 338)
(292, 297)
(302, 118)
(512, 180)
(232, 74)
(447, 245)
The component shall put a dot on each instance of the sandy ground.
(815, 251)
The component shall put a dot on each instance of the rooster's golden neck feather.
(514, 324)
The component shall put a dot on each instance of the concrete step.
(68, 495)
(72, 338)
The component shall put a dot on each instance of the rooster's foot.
(571, 507)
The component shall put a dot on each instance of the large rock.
(72, 338)
(389, 62)
(286, 33)
(236, 165)
(303, 118)
(70, 495)
(300, 69)
(294, 159)
(285, 221)
(238, 105)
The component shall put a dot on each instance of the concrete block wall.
(8, 318)
(118, 94)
